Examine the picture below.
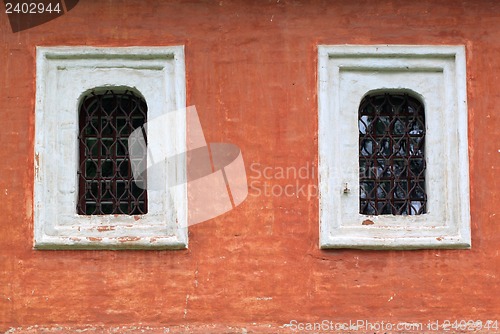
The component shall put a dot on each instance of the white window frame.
(436, 75)
(63, 76)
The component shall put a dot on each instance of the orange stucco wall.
(252, 74)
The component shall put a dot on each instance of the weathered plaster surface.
(437, 76)
(251, 70)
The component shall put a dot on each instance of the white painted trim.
(437, 75)
(63, 75)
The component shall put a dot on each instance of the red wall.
(251, 72)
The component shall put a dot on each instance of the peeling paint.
(128, 239)
(106, 228)
(186, 307)
(37, 165)
(264, 298)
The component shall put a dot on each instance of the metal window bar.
(392, 155)
(106, 182)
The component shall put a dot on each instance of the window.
(89, 100)
(393, 155)
(105, 180)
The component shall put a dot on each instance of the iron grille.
(391, 155)
(106, 183)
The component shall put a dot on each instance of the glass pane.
(106, 182)
(392, 155)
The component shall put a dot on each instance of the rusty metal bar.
(392, 155)
(105, 180)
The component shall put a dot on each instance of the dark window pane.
(106, 184)
(392, 155)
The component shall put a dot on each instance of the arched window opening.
(392, 155)
(105, 178)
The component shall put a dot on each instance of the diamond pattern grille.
(106, 183)
(391, 155)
